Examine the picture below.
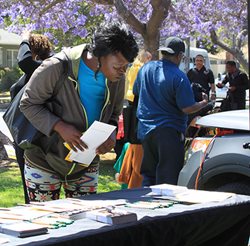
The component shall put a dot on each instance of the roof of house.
(8, 38)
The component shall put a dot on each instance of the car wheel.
(237, 187)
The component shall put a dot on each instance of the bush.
(9, 77)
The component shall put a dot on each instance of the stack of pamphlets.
(182, 194)
(112, 216)
(23, 229)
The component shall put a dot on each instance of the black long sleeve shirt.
(27, 65)
(203, 77)
(240, 81)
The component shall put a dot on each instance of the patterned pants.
(45, 186)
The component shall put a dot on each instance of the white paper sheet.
(97, 134)
(167, 189)
(182, 194)
(202, 196)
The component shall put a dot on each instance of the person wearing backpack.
(92, 90)
(33, 49)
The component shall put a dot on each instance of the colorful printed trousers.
(45, 186)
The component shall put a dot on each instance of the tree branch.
(49, 6)
(239, 37)
(216, 41)
(159, 14)
(128, 17)
(104, 2)
(237, 53)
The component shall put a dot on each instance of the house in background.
(9, 45)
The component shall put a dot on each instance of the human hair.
(175, 58)
(40, 46)
(144, 56)
(231, 63)
(199, 55)
(166, 54)
(114, 37)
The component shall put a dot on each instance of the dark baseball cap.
(173, 45)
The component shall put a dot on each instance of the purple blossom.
(185, 18)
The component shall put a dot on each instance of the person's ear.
(180, 56)
(37, 58)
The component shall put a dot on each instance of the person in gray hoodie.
(92, 90)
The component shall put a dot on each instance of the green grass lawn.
(11, 191)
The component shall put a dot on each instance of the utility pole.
(187, 54)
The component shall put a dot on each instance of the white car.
(221, 159)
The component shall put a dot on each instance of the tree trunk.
(151, 44)
(150, 31)
(241, 59)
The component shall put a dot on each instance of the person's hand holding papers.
(70, 135)
(99, 138)
(108, 145)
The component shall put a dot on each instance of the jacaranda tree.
(223, 22)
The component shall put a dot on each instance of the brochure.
(23, 229)
(96, 134)
(112, 216)
(182, 194)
